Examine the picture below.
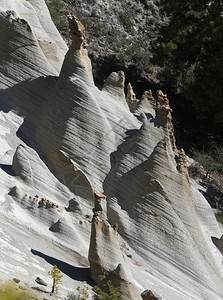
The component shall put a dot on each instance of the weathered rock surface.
(86, 111)
(61, 139)
(35, 13)
(125, 39)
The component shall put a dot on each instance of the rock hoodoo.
(131, 99)
(76, 62)
(106, 259)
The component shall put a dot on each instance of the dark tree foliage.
(190, 51)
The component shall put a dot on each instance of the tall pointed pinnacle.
(77, 33)
(77, 64)
(163, 111)
(106, 259)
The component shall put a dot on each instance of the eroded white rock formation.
(106, 259)
(36, 14)
(62, 138)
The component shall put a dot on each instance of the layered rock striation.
(63, 138)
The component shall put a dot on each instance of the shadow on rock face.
(6, 168)
(29, 100)
(213, 196)
(215, 241)
(218, 243)
(76, 273)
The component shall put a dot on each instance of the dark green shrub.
(126, 21)
(189, 51)
(211, 160)
(153, 20)
(97, 28)
(55, 8)
(87, 22)
(219, 217)
(107, 292)
(82, 294)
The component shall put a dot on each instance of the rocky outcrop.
(163, 111)
(72, 177)
(40, 281)
(28, 166)
(147, 104)
(88, 126)
(35, 13)
(149, 295)
(76, 64)
(131, 98)
(147, 168)
(105, 257)
(114, 85)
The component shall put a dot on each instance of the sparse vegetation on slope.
(219, 217)
(10, 291)
(107, 292)
(55, 8)
(82, 294)
(189, 50)
(211, 161)
(127, 36)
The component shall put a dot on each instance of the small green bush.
(126, 21)
(211, 161)
(93, 13)
(56, 275)
(87, 22)
(219, 217)
(107, 292)
(97, 28)
(9, 291)
(153, 20)
(55, 8)
(82, 294)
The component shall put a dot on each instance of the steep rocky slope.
(123, 42)
(62, 138)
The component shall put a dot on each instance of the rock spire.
(106, 259)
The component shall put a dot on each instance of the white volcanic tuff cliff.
(91, 136)
(162, 224)
(84, 110)
(19, 80)
(23, 83)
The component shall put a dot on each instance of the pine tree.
(189, 50)
(56, 275)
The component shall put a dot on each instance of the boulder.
(40, 281)
(149, 295)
